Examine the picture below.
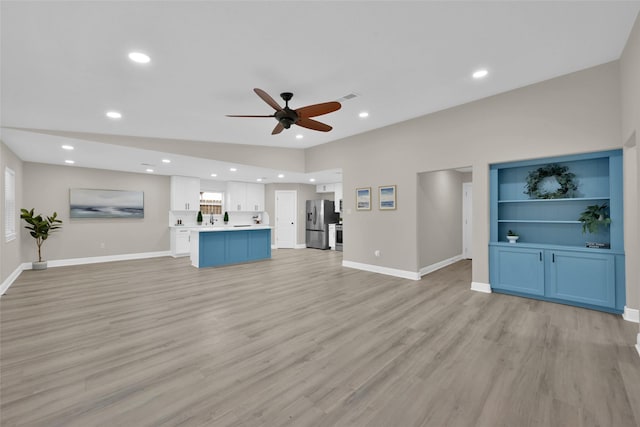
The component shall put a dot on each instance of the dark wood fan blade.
(268, 99)
(313, 124)
(235, 115)
(318, 109)
(276, 130)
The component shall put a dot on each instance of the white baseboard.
(4, 287)
(481, 287)
(78, 261)
(296, 246)
(382, 270)
(107, 258)
(438, 265)
(631, 314)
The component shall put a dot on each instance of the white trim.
(438, 265)
(12, 277)
(638, 344)
(382, 270)
(481, 287)
(107, 258)
(300, 246)
(631, 314)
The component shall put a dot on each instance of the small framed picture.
(363, 199)
(387, 197)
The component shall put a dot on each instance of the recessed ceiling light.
(214, 175)
(114, 115)
(149, 170)
(139, 57)
(166, 161)
(69, 161)
(67, 147)
(233, 169)
(280, 175)
(312, 179)
(480, 74)
(299, 136)
(363, 114)
(259, 179)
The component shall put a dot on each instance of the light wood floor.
(301, 341)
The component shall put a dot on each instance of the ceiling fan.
(301, 117)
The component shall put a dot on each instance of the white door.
(286, 207)
(467, 198)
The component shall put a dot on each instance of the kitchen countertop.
(208, 228)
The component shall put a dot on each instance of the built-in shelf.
(538, 221)
(554, 259)
(568, 199)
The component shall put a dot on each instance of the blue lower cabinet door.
(237, 246)
(518, 270)
(582, 277)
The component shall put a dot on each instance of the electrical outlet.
(101, 245)
(377, 253)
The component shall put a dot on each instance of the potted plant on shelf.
(39, 228)
(199, 219)
(593, 217)
(512, 236)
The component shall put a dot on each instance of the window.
(9, 204)
(211, 202)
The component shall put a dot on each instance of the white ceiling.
(64, 64)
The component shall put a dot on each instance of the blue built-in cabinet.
(551, 260)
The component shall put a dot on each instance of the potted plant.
(199, 219)
(593, 217)
(512, 236)
(39, 228)
(226, 217)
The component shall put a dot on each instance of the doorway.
(286, 208)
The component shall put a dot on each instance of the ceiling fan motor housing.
(286, 117)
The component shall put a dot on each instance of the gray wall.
(304, 192)
(439, 216)
(46, 188)
(630, 94)
(10, 251)
(576, 113)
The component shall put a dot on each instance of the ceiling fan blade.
(268, 99)
(318, 109)
(276, 130)
(235, 115)
(313, 124)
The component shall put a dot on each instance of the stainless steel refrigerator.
(320, 213)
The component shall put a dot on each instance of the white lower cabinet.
(180, 242)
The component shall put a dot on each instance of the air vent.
(348, 97)
(147, 164)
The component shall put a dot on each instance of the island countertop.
(209, 228)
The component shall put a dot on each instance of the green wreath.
(561, 174)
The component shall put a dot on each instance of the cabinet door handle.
(553, 257)
(540, 256)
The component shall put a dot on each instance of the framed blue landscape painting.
(387, 197)
(88, 203)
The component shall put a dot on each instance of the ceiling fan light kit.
(287, 117)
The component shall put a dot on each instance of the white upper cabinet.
(255, 197)
(244, 197)
(325, 188)
(185, 193)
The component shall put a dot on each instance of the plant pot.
(39, 265)
(512, 239)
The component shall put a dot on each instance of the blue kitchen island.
(216, 246)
